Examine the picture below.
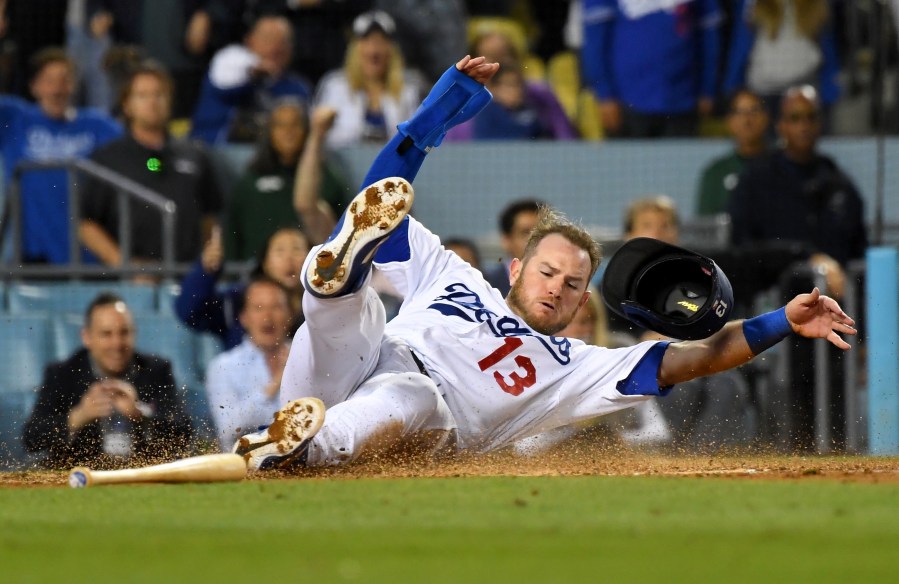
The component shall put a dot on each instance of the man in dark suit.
(108, 404)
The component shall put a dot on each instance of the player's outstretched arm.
(811, 315)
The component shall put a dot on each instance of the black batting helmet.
(668, 289)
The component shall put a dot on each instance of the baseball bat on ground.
(208, 468)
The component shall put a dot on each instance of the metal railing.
(854, 413)
(126, 189)
(855, 395)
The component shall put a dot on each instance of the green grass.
(540, 529)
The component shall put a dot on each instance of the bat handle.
(80, 477)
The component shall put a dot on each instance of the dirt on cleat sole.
(370, 218)
(285, 437)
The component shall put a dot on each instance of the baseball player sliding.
(460, 366)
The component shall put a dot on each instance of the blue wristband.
(767, 330)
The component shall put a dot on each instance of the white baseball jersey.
(501, 380)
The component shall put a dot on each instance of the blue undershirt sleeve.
(644, 378)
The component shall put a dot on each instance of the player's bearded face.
(549, 287)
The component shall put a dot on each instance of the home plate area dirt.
(578, 458)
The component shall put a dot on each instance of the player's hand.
(213, 252)
(322, 120)
(816, 316)
(477, 68)
(705, 106)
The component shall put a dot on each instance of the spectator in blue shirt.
(243, 383)
(777, 44)
(51, 129)
(651, 64)
(243, 83)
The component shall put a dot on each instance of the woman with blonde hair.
(374, 91)
(777, 44)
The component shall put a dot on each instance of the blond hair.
(659, 203)
(395, 69)
(550, 221)
(811, 15)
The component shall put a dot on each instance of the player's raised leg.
(337, 347)
(341, 264)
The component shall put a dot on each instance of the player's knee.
(421, 393)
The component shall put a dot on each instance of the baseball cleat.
(285, 441)
(343, 261)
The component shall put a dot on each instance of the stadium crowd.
(150, 89)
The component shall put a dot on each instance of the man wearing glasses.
(797, 195)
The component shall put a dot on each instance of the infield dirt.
(574, 459)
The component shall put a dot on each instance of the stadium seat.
(65, 335)
(73, 297)
(562, 75)
(15, 408)
(165, 298)
(208, 346)
(179, 127)
(167, 337)
(24, 352)
(588, 123)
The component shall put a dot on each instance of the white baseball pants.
(376, 397)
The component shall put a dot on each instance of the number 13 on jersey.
(515, 383)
